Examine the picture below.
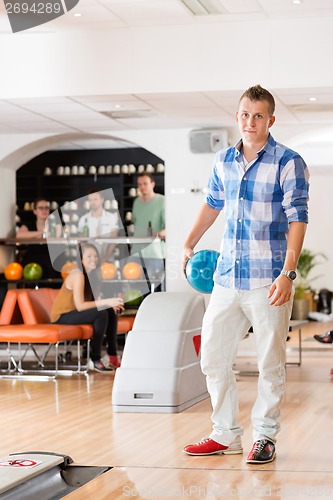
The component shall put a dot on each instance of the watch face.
(292, 275)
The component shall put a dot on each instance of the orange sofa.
(25, 321)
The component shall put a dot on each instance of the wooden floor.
(73, 416)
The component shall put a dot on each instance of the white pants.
(229, 315)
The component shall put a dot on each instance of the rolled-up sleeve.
(295, 187)
(215, 195)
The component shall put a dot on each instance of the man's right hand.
(205, 219)
(187, 254)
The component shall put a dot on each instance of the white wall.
(7, 211)
(319, 237)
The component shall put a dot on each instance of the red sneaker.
(209, 447)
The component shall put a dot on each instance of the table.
(297, 325)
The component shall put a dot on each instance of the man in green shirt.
(148, 216)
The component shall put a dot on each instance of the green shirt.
(144, 212)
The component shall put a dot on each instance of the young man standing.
(148, 207)
(148, 217)
(263, 187)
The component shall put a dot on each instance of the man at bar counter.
(36, 230)
(98, 222)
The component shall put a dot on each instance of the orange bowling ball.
(67, 268)
(108, 271)
(14, 271)
(132, 271)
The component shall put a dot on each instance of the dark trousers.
(104, 322)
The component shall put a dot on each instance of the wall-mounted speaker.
(208, 140)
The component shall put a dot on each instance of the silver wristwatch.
(291, 275)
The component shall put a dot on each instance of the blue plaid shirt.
(259, 204)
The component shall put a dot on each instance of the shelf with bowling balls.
(130, 280)
(131, 271)
(31, 274)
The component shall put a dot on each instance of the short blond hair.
(258, 93)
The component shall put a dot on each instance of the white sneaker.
(98, 366)
(106, 360)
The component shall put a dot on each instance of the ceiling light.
(204, 7)
(297, 2)
(312, 99)
(131, 113)
(77, 14)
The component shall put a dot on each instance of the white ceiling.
(98, 114)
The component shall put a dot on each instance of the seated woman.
(75, 304)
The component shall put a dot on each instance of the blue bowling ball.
(200, 269)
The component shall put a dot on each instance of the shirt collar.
(268, 147)
(93, 216)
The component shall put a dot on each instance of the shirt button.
(237, 261)
(239, 220)
(238, 241)
(245, 179)
(241, 198)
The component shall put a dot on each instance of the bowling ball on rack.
(67, 268)
(132, 271)
(132, 297)
(108, 271)
(14, 271)
(32, 271)
(200, 269)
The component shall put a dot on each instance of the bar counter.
(71, 240)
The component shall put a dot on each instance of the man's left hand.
(280, 291)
